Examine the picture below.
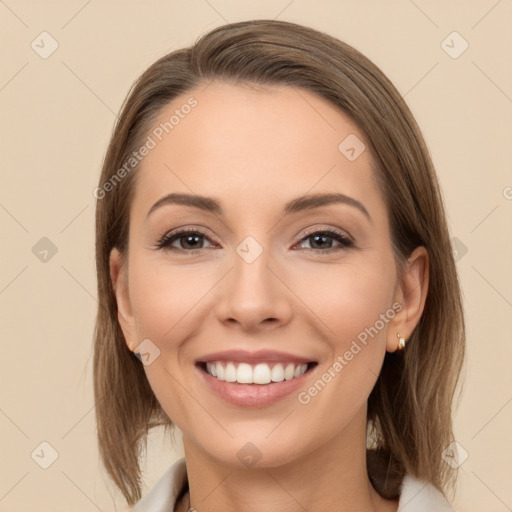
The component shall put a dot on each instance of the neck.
(332, 476)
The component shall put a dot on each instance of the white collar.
(415, 495)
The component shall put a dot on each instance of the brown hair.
(409, 409)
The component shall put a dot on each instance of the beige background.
(57, 115)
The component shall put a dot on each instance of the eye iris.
(323, 237)
(185, 240)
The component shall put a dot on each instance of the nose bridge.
(251, 266)
(252, 293)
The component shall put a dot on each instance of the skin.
(254, 149)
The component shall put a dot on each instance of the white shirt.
(415, 495)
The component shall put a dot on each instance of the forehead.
(250, 143)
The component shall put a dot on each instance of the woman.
(276, 279)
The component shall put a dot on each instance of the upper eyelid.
(200, 230)
(308, 231)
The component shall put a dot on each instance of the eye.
(322, 241)
(188, 241)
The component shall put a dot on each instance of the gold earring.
(401, 342)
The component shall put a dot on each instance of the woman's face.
(256, 285)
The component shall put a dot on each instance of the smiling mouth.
(261, 373)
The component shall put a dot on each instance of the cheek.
(348, 298)
(163, 298)
(355, 353)
(353, 303)
(168, 304)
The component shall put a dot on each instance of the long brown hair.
(409, 409)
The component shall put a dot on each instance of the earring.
(401, 342)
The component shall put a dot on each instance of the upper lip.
(259, 356)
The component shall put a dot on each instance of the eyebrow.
(307, 202)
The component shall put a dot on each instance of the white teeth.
(219, 370)
(288, 372)
(278, 373)
(230, 373)
(211, 368)
(244, 373)
(261, 373)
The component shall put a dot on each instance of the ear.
(119, 278)
(411, 293)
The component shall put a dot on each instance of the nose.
(254, 296)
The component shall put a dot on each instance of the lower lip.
(253, 395)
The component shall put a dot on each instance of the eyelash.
(167, 239)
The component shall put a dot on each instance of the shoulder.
(421, 496)
(163, 495)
